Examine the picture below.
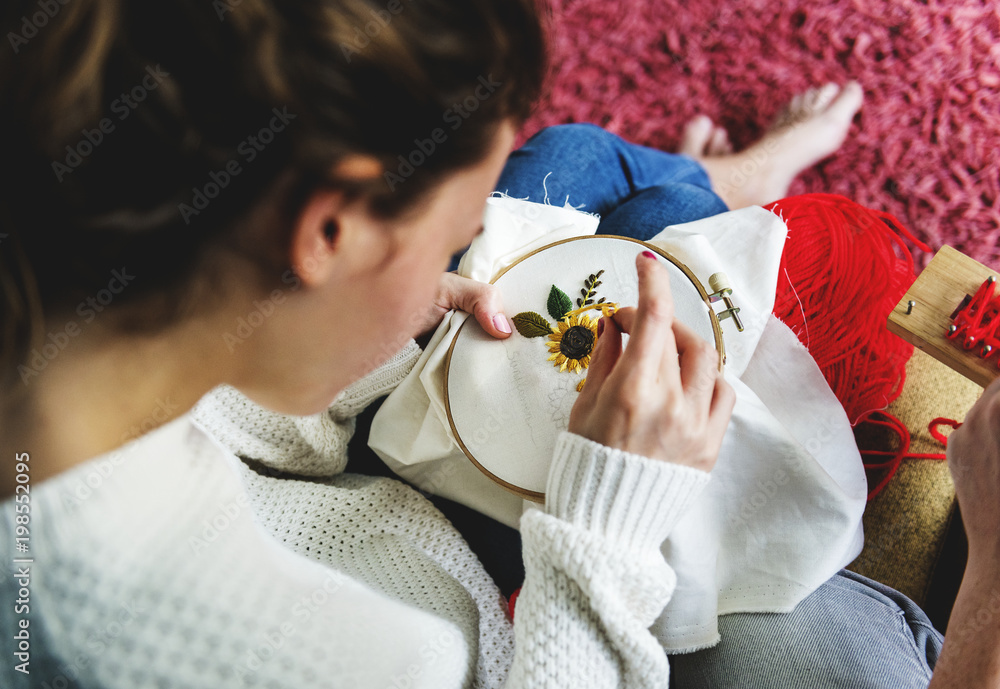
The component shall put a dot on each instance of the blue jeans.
(637, 191)
(852, 632)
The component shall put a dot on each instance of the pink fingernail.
(649, 254)
(501, 324)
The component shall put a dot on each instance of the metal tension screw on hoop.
(721, 291)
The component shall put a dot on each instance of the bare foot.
(703, 139)
(810, 128)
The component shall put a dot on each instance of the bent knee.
(578, 135)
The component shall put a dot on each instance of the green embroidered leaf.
(530, 324)
(559, 303)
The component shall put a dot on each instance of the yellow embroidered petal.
(579, 387)
(564, 364)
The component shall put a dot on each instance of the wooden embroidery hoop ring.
(536, 496)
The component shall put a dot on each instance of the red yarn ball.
(844, 268)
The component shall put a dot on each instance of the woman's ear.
(314, 237)
(318, 236)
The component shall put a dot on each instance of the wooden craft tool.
(932, 312)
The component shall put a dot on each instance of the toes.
(823, 97)
(696, 136)
(719, 144)
(848, 102)
(807, 103)
(828, 99)
(791, 113)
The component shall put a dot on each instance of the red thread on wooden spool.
(978, 322)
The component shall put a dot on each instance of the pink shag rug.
(925, 147)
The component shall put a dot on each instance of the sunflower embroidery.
(572, 338)
(572, 341)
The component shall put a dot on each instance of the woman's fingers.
(480, 299)
(699, 366)
(624, 318)
(720, 411)
(651, 348)
(663, 397)
(606, 353)
(974, 460)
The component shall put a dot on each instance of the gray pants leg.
(851, 633)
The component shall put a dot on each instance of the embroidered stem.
(590, 286)
(607, 308)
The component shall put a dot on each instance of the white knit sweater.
(171, 563)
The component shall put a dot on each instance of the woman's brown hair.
(140, 133)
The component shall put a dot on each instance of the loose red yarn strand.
(896, 457)
(938, 435)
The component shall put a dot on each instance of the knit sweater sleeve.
(302, 445)
(595, 577)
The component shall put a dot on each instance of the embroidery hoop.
(510, 480)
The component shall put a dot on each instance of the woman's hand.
(971, 653)
(974, 460)
(480, 299)
(664, 397)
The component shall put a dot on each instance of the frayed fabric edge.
(697, 647)
(545, 201)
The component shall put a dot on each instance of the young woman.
(265, 195)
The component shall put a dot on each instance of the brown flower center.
(577, 342)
